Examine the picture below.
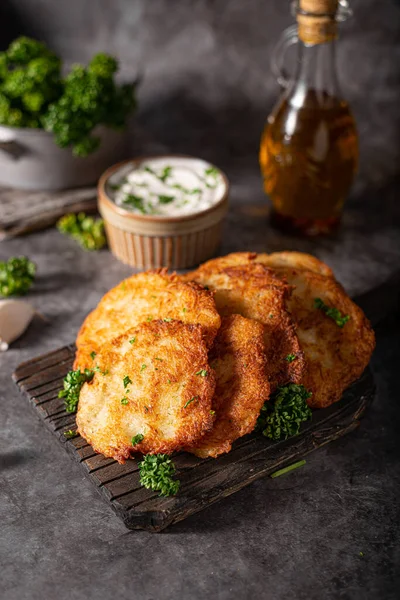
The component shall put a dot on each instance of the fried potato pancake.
(153, 381)
(296, 260)
(254, 292)
(144, 297)
(276, 260)
(238, 359)
(335, 357)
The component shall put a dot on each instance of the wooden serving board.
(203, 481)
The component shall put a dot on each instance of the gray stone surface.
(329, 530)
(291, 538)
(298, 537)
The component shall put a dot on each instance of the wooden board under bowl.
(203, 481)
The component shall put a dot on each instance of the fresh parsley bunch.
(87, 231)
(282, 416)
(30, 79)
(34, 94)
(16, 276)
(90, 98)
(156, 472)
(73, 383)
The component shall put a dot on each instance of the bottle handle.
(288, 38)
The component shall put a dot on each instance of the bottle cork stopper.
(319, 7)
(316, 21)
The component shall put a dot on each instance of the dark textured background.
(206, 64)
(207, 90)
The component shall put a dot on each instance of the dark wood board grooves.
(203, 481)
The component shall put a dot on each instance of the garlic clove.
(15, 316)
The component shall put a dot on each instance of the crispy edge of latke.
(296, 260)
(274, 261)
(248, 379)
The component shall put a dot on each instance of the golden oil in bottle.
(308, 159)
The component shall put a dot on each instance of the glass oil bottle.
(309, 148)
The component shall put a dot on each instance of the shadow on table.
(381, 303)
(47, 284)
(15, 458)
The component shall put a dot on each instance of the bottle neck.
(316, 74)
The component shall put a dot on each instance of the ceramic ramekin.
(146, 241)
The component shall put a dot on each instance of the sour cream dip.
(169, 186)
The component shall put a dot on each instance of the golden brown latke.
(144, 297)
(297, 260)
(335, 357)
(238, 359)
(148, 381)
(275, 261)
(253, 291)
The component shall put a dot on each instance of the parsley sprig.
(73, 383)
(282, 416)
(156, 473)
(16, 276)
(332, 312)
(292, 467)
(87, 231)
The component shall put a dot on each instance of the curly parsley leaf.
(73, 383)
(87, 231)
(16, 276)
(332, 312)
(281, 417)
(156, 473)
